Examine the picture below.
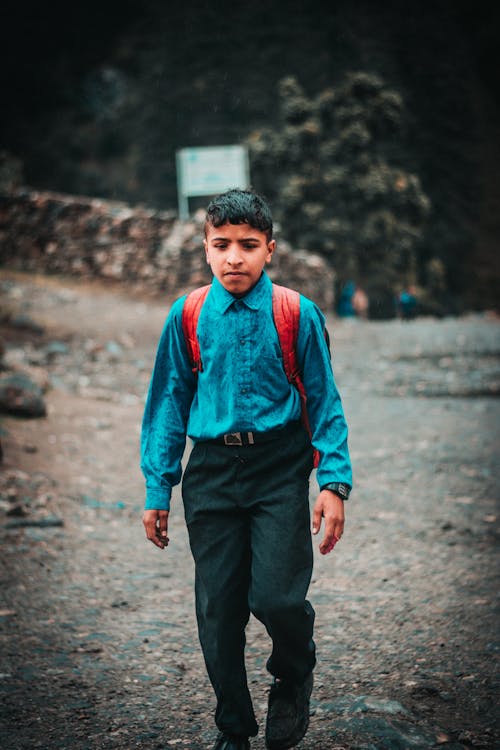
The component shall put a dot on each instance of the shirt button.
(242, 341)
(244, 390)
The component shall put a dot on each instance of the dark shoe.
(288, 713)
(231, 742)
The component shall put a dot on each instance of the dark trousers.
(247, 513)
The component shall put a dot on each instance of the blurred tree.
(334, 169)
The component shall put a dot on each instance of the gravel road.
(98, 637)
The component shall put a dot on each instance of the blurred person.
(407, 303)
(345, 307)
(360, 303)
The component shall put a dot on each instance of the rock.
(20, 396)
(390, 735)
(38, 375)
(7, 613)
(17, 511)
(114, 351)
(23, 322)
(55, 349)
(365, 704)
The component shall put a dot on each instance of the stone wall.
(51, 233)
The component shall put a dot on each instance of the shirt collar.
(223, 299)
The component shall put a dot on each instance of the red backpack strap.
(190, 315)
(286, 313)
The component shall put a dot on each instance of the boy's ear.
(205, 245)
(271, 247)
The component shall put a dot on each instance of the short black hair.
(238, 206)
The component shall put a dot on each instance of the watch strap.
(340, 489)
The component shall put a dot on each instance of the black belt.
(252, 438)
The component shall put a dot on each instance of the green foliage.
(334, 170)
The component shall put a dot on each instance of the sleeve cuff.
(157, 498)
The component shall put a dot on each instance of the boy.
(246, 485)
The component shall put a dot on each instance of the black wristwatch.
(340, 489)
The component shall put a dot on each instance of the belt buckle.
(233, 438)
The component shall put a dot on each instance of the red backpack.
(286, 313)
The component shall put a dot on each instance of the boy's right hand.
(156, 526)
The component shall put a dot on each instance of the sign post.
(209, 170)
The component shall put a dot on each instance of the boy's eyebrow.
(241, 239)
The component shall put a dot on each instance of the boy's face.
(237, 253)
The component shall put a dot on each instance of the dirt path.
(98, 637)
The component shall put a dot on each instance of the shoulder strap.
(190, 315)
(286, 313)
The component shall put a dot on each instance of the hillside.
(98, 99)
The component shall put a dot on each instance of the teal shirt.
(243, 386)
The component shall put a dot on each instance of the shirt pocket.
(270, 378)
(269, 351)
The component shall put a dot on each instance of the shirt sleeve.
(171, 391)
(324, 406)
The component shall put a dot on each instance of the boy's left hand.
(330, 507)
(156, 527)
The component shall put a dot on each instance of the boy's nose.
(233, 256)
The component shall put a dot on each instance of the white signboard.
(209, 170)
